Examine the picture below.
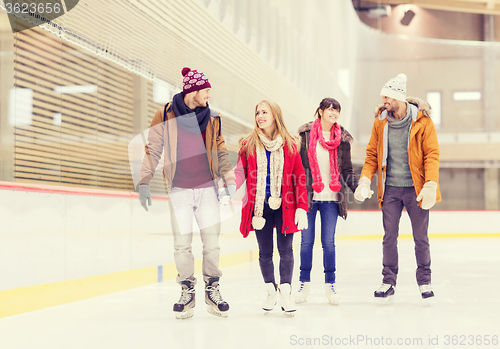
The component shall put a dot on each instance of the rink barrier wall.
(31, 298)
(63, 244)
(26, 299)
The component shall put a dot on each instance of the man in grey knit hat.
(404, 150)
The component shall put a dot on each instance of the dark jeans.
(329, 211)
(395, 199)
(265, 239)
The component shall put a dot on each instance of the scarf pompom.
(276, 164)
(258, 222)
(335, 186)
(318, 187)
(274, 203)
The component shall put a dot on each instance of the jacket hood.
(346, 136)
(422, 106)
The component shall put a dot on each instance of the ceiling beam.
(489, 7)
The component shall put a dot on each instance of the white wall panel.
(98, 239)
(151, 235)
(32, 238)
(47, 238)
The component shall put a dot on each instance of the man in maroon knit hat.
(195, 159)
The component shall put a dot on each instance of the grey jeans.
(186, 207)
(395, 198)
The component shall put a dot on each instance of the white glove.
(301, 219)
(363, 190)
(428, 195)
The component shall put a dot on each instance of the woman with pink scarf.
(326, 156)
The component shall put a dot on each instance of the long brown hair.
(250, 142)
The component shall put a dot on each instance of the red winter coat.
(293, 189)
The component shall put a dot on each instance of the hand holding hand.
(226, 194)
(363, 190)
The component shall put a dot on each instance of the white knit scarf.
(277, 161)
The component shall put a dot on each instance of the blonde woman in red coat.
(276, 197)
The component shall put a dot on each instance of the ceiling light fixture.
(409, 14)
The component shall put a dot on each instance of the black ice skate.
(427, 294)
(213, 299)
(183, 309)
(385, 294)
(426, 291)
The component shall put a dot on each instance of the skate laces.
(384, 288)
(271, 293)
(331, 288)
(302, 286)
(186, 295)
(214, 294)
(425, 288)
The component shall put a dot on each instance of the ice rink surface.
(464, 313)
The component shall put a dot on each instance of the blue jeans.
(329, 211)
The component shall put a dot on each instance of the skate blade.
(216, 312)
(298, 301)
(184, 314)
(385, 301)
(269, 309)
(427, 302)
(334, 300)
(290, 313)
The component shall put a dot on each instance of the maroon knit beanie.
(194, 80)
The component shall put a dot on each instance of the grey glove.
(145, 195)
(225, 192)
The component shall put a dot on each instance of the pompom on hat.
(194, 81)
(395, 88)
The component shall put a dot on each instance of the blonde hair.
(250, 142)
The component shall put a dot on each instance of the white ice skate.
(385, 294)
(183, 309)
(215, 304)
(286, 300)
(271, 297)
(303, 292)
(427, 294)
(331, 294)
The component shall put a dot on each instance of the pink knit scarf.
(332, 147)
